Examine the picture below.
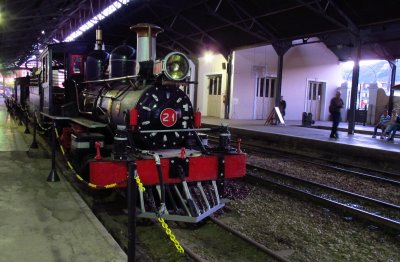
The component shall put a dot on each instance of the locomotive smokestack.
(146, 41)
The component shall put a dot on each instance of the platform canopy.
(198, 25)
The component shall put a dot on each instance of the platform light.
(96, 19)
(208, 56)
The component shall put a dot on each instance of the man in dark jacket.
(334, 108)
(282, 107)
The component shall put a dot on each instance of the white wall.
(308, 62)
(245, 75)
(301, 63)
(212, 67)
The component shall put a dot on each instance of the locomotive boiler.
(129, 107)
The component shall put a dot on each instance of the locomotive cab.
(59, 62)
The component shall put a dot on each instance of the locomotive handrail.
(109, 79)
(174, 130)
(55, 117)
(82, 121)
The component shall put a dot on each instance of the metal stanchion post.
(34, 143)
(26, 123)
(132, 192)
(15, 113)
(20, 116)
(53, 177)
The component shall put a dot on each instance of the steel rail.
(386, 177)
(383, 221)
(335, 190)
(249, 240)
(364, 175)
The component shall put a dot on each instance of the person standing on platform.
(334, 109)
(282, 107)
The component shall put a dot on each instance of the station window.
(214, 84)
(266, 87)
(314, 90)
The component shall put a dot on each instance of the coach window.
(215, 83)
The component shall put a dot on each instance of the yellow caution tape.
(140, 184)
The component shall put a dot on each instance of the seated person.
(382, 124)
(392, 126)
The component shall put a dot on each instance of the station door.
(214, 95)
(265, 96)
(315, 93)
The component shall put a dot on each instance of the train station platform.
(357, 148)
(43, 221)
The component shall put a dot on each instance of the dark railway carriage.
(136, 112)
(17, 98)
(21, 91)
(58, 62)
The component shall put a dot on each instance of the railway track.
(211, 241)
(110, 209)
(151, 237)
(381, 213)
(232, 245)
(363, 172)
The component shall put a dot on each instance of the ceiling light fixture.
(96, 19)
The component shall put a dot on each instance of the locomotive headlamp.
(176, 66)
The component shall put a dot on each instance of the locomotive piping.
(109, 79)
(129, 131)
(96, 102)
(198, 140)
(174, 130)
(156, 157)
(124, 91)
(150, 43)
(77, 99)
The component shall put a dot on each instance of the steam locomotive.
(127, 106)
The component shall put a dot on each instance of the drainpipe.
(228, 86)
(195, 61)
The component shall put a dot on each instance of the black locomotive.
(127, 106)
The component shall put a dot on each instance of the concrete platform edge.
(102, 230)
